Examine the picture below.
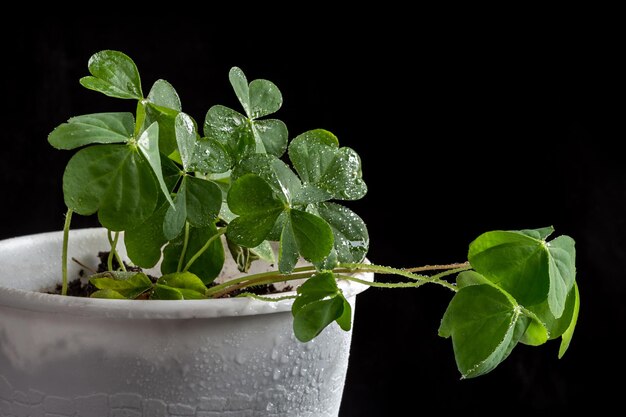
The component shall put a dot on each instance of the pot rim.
(142, 309)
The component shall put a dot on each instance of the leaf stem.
(66, 235)
(183, 254)
(203, 249)
(113, 253)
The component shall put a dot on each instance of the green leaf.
(108, 294)
(114, 180)
(176, 215)
(240, 84)
(264, 251)
(255, 202)
(467, 278)
(148, 144)
(485, 326)
(312, 234)
(562, 269)
(259, 98)
(144, 241)
(351, 240)
(327, 171)
(162, 106)
(114, 74)
(131, 287)
(569, 332)
(163, 94)
(203, 155)
(540, 234)
(273, 134)
(555, 327)
(319, 303)
(231, 129)
(204, 200)
(184, 281)
(278, 175)
(197, 201)
(265, 98)
(93, 128)
(163, 292)
(528, 268)
(208, 266)
(288, 253)
(513, 261)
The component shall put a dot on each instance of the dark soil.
(81, 287)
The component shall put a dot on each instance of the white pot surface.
(81, 357)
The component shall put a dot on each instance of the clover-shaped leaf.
(113, 73)
(206, 155)
(114, 180)
(485, 325)
(327, 171)
(241, 134)
(529, 268)
(318, 304)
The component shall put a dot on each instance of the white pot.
(70, 356)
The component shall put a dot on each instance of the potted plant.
(229, 280)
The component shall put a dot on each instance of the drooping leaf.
(569, 332)
(184, 281)
(555, 326)
(148, 144)
(207, 266)
(541, 233)
(318, 304)
(131, 287)
(163, 292)
(113, 180)
(485, 326)
(515, 262)
(327, 171)
(114, 74)
(93, 128)
(528, 268)
(108, 294)
(562, 269)
(258, 207)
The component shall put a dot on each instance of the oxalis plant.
(178, 191)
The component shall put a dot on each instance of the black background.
(461, 130)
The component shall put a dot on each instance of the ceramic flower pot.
(69, 356)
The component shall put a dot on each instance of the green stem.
(183, 254)
(217, 288)
(307, 271)
(113, 253)
(204, 248)
(66, 236)
(435, 279)
(381, 284)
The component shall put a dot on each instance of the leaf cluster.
(184, 193)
